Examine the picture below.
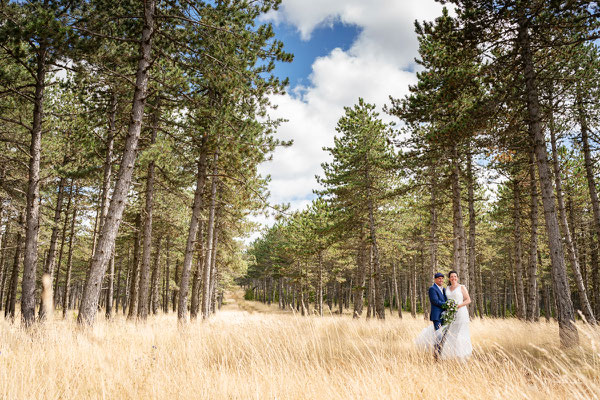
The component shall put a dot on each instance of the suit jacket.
(437, 300)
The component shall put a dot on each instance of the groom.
(437, 298)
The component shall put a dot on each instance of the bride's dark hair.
(450, 273)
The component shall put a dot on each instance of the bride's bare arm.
(466, 297)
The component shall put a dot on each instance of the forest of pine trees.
(491, 171)
(132, 133)
(130, 137)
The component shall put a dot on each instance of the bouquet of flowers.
(449, 314)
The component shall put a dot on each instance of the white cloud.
(378, 64)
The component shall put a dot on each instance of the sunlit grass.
(252, 351)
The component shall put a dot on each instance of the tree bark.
(154, 297)
(65, 304)
(398, 299)
(209, 240)
(49, 264)
(32, 220)
(135, 268)
(359, 289)
(320, 284)
(105, 245)
(518, 261)
(458, 229)
(3, 258)
(589, 171)
(146, 248)
(11, 299)
(192, 233)
(110, 288)
(532, 299)
(118, 293)
(472, 229)
(567, 330)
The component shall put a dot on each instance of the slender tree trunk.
(377, 275)
(146, 248)
(192, 233)
(65, 304)
(567, 330)
(105, 245)
(472, 228)
(167, 275)
(49, 264)
(110, 289)
(398, 299)
(566, 229)
(32, 220)
(118, 293)
(533, 247)
(62, 242)
(360, 277)
(214, 275)
(460, 262)
(433, 245)
(209, 240)
(3, 262)
(176, 289)
(11, 299)
(135, 268)
(593, 242)
(413, 287)
(589, 170)
(320, 285)
(155, 279)
(518, 261)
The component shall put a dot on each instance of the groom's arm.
(433, 298)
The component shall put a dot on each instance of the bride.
(457, 342)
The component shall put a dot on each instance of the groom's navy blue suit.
(437, 298)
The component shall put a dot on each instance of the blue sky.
(322, 41)
(344, 49)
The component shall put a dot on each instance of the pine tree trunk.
(167, 276)
(533, 248)
(518, 260)
(62, 242)
(320, 285)
(209, 240)
(110, 289)
(198, 273)
(191, 239)
(3, 262)
(118, 292)
(176, 289)
(593, 243)
(398, 299)
(566, 229)
(567, 330)
(11, 299)
(472, 229)
(433, 245)
(360, 277)
(413, 288)
(69, 258)
(32, 220)
(104, 247)
(458, 230)
(148, 210)
(135, 270)
(589, 170)
(49, 264)
(214, 274)
(155, 298)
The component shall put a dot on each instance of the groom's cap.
(438, 275)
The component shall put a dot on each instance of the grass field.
(252, 351)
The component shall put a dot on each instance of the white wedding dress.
(457, 344)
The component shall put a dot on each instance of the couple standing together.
(450, 341)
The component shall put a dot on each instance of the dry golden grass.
(251, 351)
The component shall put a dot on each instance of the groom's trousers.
(437, 348)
